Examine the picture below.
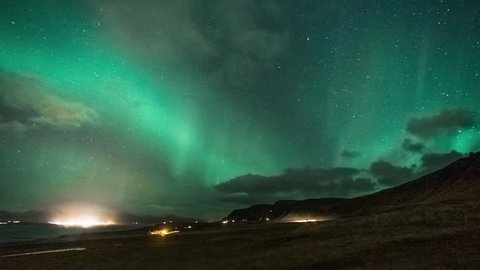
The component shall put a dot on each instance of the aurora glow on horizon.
(157, 107)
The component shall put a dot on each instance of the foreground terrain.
(432, 222)
(428, 241)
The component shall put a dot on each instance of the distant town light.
(80, 214)
(82, 222)
(163, 232)
(305, 220)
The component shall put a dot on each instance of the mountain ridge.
(458, 181)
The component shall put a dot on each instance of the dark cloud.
(335, 182)
(251, 184)
(226, 39)
(412, 146)
(249, 199)
(388, 174)
(434, 161)
(349, 154)
(297, 182)
(28, 102)
(476, 146)
(444, 122)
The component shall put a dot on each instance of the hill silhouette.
(457, 183)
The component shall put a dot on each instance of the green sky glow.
(181, 97)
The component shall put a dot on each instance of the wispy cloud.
(29, 102)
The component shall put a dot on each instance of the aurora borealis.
(194, 107)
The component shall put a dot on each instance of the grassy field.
(369, 242)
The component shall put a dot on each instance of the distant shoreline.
(58, 234)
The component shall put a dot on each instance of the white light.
(82, 215)
(84, 222)
(305, 220)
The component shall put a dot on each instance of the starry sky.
(197, 107)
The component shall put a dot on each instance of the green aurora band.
(163, 131)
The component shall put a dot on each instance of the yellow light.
(305, 220)
(162, 232)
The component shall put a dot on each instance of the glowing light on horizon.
(163, 232)
(307, 220)
(84, 222)
(83, 215)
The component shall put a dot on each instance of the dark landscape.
(428, 223)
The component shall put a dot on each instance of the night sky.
(198, 107)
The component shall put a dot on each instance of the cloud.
(249, 199)
(13, 126)
(28, 102)
(388, 174)
(412, 146)
(165, 29)
(476, 146)
(224, 40)
(349, 154)
(297, 182)
(444, 122)
(434, 161)
(251, 184)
